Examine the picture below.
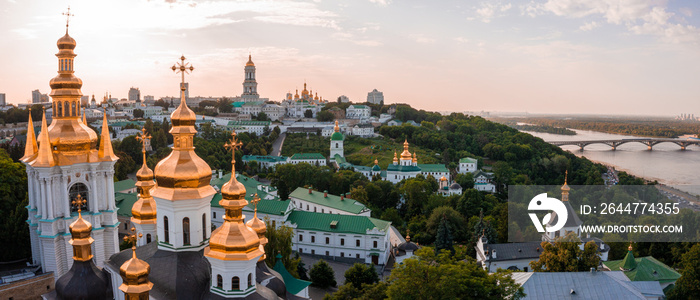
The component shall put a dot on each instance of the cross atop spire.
(255, 201)
(131, 238)
(68, 15)
(143, 137)
(182, 67)
(78, 202)
(233, 145)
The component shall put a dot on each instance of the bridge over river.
(650, 142)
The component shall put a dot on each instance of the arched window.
(213, 214)
(66, 109)
(73, 110)
(204, 227)
(235, 283)
(219, 281)
(148, 238)
(75, 190)
(166, 229)
(250, 279)
(186, 231)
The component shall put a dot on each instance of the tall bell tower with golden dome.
(250, 85)
(182, 192)
(66, 161)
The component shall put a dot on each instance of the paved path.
(277, 144)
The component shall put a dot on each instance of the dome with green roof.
(337, 136)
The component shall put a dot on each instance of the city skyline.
(556, 56)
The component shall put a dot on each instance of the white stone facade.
(357, 112)
(195, 211)
(343, 245)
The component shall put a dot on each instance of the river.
(666, 163)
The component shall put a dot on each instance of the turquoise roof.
(479, 173)
(360, 106)
(644, 269)
(332, 201)
(264, 158)
(362, 168)
(238, 103)
(124, 185)
(400, 168)
(336, 136)
(433, 168)
(299, 156)
(266, 206)
(306, 220)
(376, 168)
(467, 160)
(293, 285)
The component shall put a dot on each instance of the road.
(277, 144)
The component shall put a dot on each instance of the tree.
(301, 268)
(325, 116)
(308, 114)
(688, 286)
(443, 240)
(13, 200)
(564, 255)
(428, 275)
(262, 117)
(279, 240)
(452, 219)
(375, 291)
(138, 113)
(360, 274)
(322, 275)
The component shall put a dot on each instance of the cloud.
(489, 10)
(460, 39)
(25, 33)
(686, 11)
(349, 37)
(381, 2)
(420, 38)
(589, 26)
(641, 17)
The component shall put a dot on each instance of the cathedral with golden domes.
(296, 105)
(175, 253)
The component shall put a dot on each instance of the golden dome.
(415, 159)
(66, 42)
(135, 274)
(630, 247)
(405, 155)
(395, 158)
(250, 62)
(376, 162)
(80, 228)
(80, 234)
(443, 178)
(255, 223)
(316, 98)
(565, 187)
(145, 207)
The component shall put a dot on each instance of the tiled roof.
(332, 201)
(467, 160)
(124, 185)
(582, 285)
(647, 269)
(433, 168)
(293, 285)
(298, 156)
(306, 220)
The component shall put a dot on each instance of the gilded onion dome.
(233, 240)
(565, 188)
(80, 232)
(258, 226)
(134, 273)
(182, 174)
(443, 178)
(250, 62)
(415, 159)
(336, 136)
(144, 210)
(396, 159)
(73, 141)
(405, 155)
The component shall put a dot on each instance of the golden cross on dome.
(255, 201)
(566, 176)
(131, 238)
(68, 15)
(233, 145)
(143, 137)
(78, 203)
(182, 67)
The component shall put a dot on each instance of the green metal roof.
(467, 160)
(308, 156)
(266, 206)
(332, 201)
(433, 168)
(238, 103)
(336, 136)
(360, 106)
(293, 285)
(400, 168)
(376, 168)
(124, 185)
(124, 203)
(264, 158)
(479, 173)
(628, 262)
(306, 220)
(647, 269)
(362, 168)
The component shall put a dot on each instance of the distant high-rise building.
(36, 96)
(187, 90)
(250, 86)
(2, 99)
(343, 99)
(134, 94)
(375, 97)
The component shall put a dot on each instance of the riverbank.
(685, 199)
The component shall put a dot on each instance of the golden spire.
(84, 119)
(396, 159)
(258, 226)
(408, 237)
(68, 15)
(144, 210)
(183, 175)
(337, 128)
(80, 233)
(630, 247)
(376, 162)
(106, 153)
(134, 274)
(565, 188)
(233, 240)
(316, 98)
(250, 61)
(405, 155)
(415, 159)
(45, 155)
(30, 148)
(296, 94)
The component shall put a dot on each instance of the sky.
(634, 57)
